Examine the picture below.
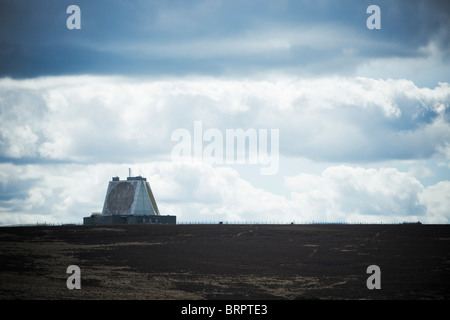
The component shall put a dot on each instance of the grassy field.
(225, 261)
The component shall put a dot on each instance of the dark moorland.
(225, 261)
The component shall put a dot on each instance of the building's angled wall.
(130, 197)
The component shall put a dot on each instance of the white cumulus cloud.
(62, 138)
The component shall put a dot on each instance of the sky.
(355, 120)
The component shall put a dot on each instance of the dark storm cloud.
(210, 37)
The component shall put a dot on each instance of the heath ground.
(225, 261)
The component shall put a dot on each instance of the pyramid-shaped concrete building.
(129, 201)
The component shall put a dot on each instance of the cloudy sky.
(363, 115)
